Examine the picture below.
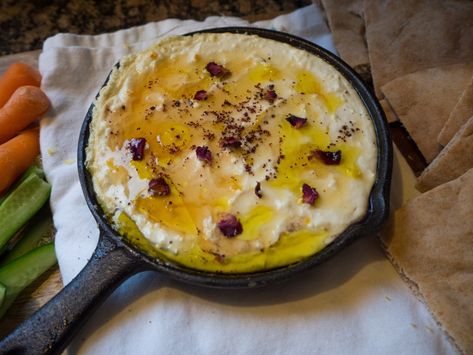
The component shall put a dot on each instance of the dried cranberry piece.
(159, 187)
(327, 157)
(309, 194)
(270, 95)
(137, 148)
(217, 70)
(296, 122)
(201, 95)
(230, 226)
(203, 153)
(258, 190)
(230, 142)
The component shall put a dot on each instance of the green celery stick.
(20, 273)
(35, 234)
(3, 291)
(33, 169)
(21, 205)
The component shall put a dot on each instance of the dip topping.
(217, 70)
(230, 142)
(203, 153)
(159, 187)
(296, 122)
(201, 95)
(230, 226)
(309, 194)
(270, 95)
(258, 190)
(327, 157)
(137, 148)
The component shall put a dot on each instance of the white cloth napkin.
(353, 304)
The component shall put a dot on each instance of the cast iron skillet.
(52, 327)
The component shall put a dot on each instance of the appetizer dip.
(230, 153)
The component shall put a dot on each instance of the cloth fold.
(354, 303)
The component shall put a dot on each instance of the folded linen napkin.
(354, 303)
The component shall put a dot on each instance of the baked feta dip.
(230, 152)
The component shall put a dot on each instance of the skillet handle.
(52, 327)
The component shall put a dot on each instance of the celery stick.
(35, 234)
(3, 290)
(21, 205)
(20, 273)
(33, 169)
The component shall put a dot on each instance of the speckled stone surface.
(24, 25)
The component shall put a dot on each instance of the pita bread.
(430, 243)
(402, 39)
(345, 18)
(388, 111)
(459, 115)
(423, 101)
(454, 160)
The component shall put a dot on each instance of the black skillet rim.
(378, 207)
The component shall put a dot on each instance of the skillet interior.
(378, 207)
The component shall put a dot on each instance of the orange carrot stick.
(25, 105)
(18, 74)
(16, 156)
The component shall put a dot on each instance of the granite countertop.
(24, 25)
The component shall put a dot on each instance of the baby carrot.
(24, 106)
(18, 74)
(16, 156)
